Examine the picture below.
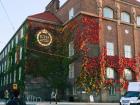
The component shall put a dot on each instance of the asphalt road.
(65, 103)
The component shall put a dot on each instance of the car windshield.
(132, 94)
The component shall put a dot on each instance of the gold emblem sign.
(44, 38)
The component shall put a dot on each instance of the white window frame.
(21, 50)
(71, 71)
(14, 75)
(21, 33)
(4, 81)
(128, 74)
(138, 20)
(112, 90)
(110, 48)
(125, 17)
(7, 79)
(71, 49)
(5, 66)
(110, 73)
(71, 13)
(127, 51)
(19, 76)
(15, 57)
(12, 43)
(17, 38)
(2, 68)
(10, 78)
(108, 12)
(0, 57)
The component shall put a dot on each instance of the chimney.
(53, 6)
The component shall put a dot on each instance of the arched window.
(108, 12)
(128, 74)
(138, 20)
(110, 73)
(125, 17)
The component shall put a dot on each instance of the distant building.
(114, 47)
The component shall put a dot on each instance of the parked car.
(132, 96)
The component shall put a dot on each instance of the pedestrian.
(53, 97)
(15, 100)
(6, 95)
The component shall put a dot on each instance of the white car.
(132, 96)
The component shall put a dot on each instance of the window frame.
(138, 20)
(108, 12)
(112, 90)
(125, 17)
(126, 74)
(110, 48)
(109, 74)
(71, 13)
(127, 54)
(71, 71)
(71, 48)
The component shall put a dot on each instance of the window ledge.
(111, 19)
(126, 23)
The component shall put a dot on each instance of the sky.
(17, 11)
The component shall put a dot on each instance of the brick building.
(114, 38)
(118, 32)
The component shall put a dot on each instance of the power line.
(7, 16)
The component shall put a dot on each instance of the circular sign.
(44, 38)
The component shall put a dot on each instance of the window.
(71, 13)
(138, 20)
(5, 66)
(108, 12)
(20, 53)
(12, 43)
(19, 74)
(16, 38)
(93, 50)
(10, 78)
(21, 33)
(15, 76)
(110, 73)
(110, 49)
(71, 49)
(7, 80)
(128, 74)
(15, 57)
(125, 17)
(5, 50)
(112, 90)
(0, 57)
(71, 71)
(8, 47)
(4, 80)
(127, 51)
(1, 81)
(2, 68)
(11, 60)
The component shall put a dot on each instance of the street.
(65, 103)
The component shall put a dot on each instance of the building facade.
(100, 39)
(114, 27)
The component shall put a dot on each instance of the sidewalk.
(75, 103)
(64, 103)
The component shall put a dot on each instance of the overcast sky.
(18, 10)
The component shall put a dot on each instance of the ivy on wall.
(93, 69)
